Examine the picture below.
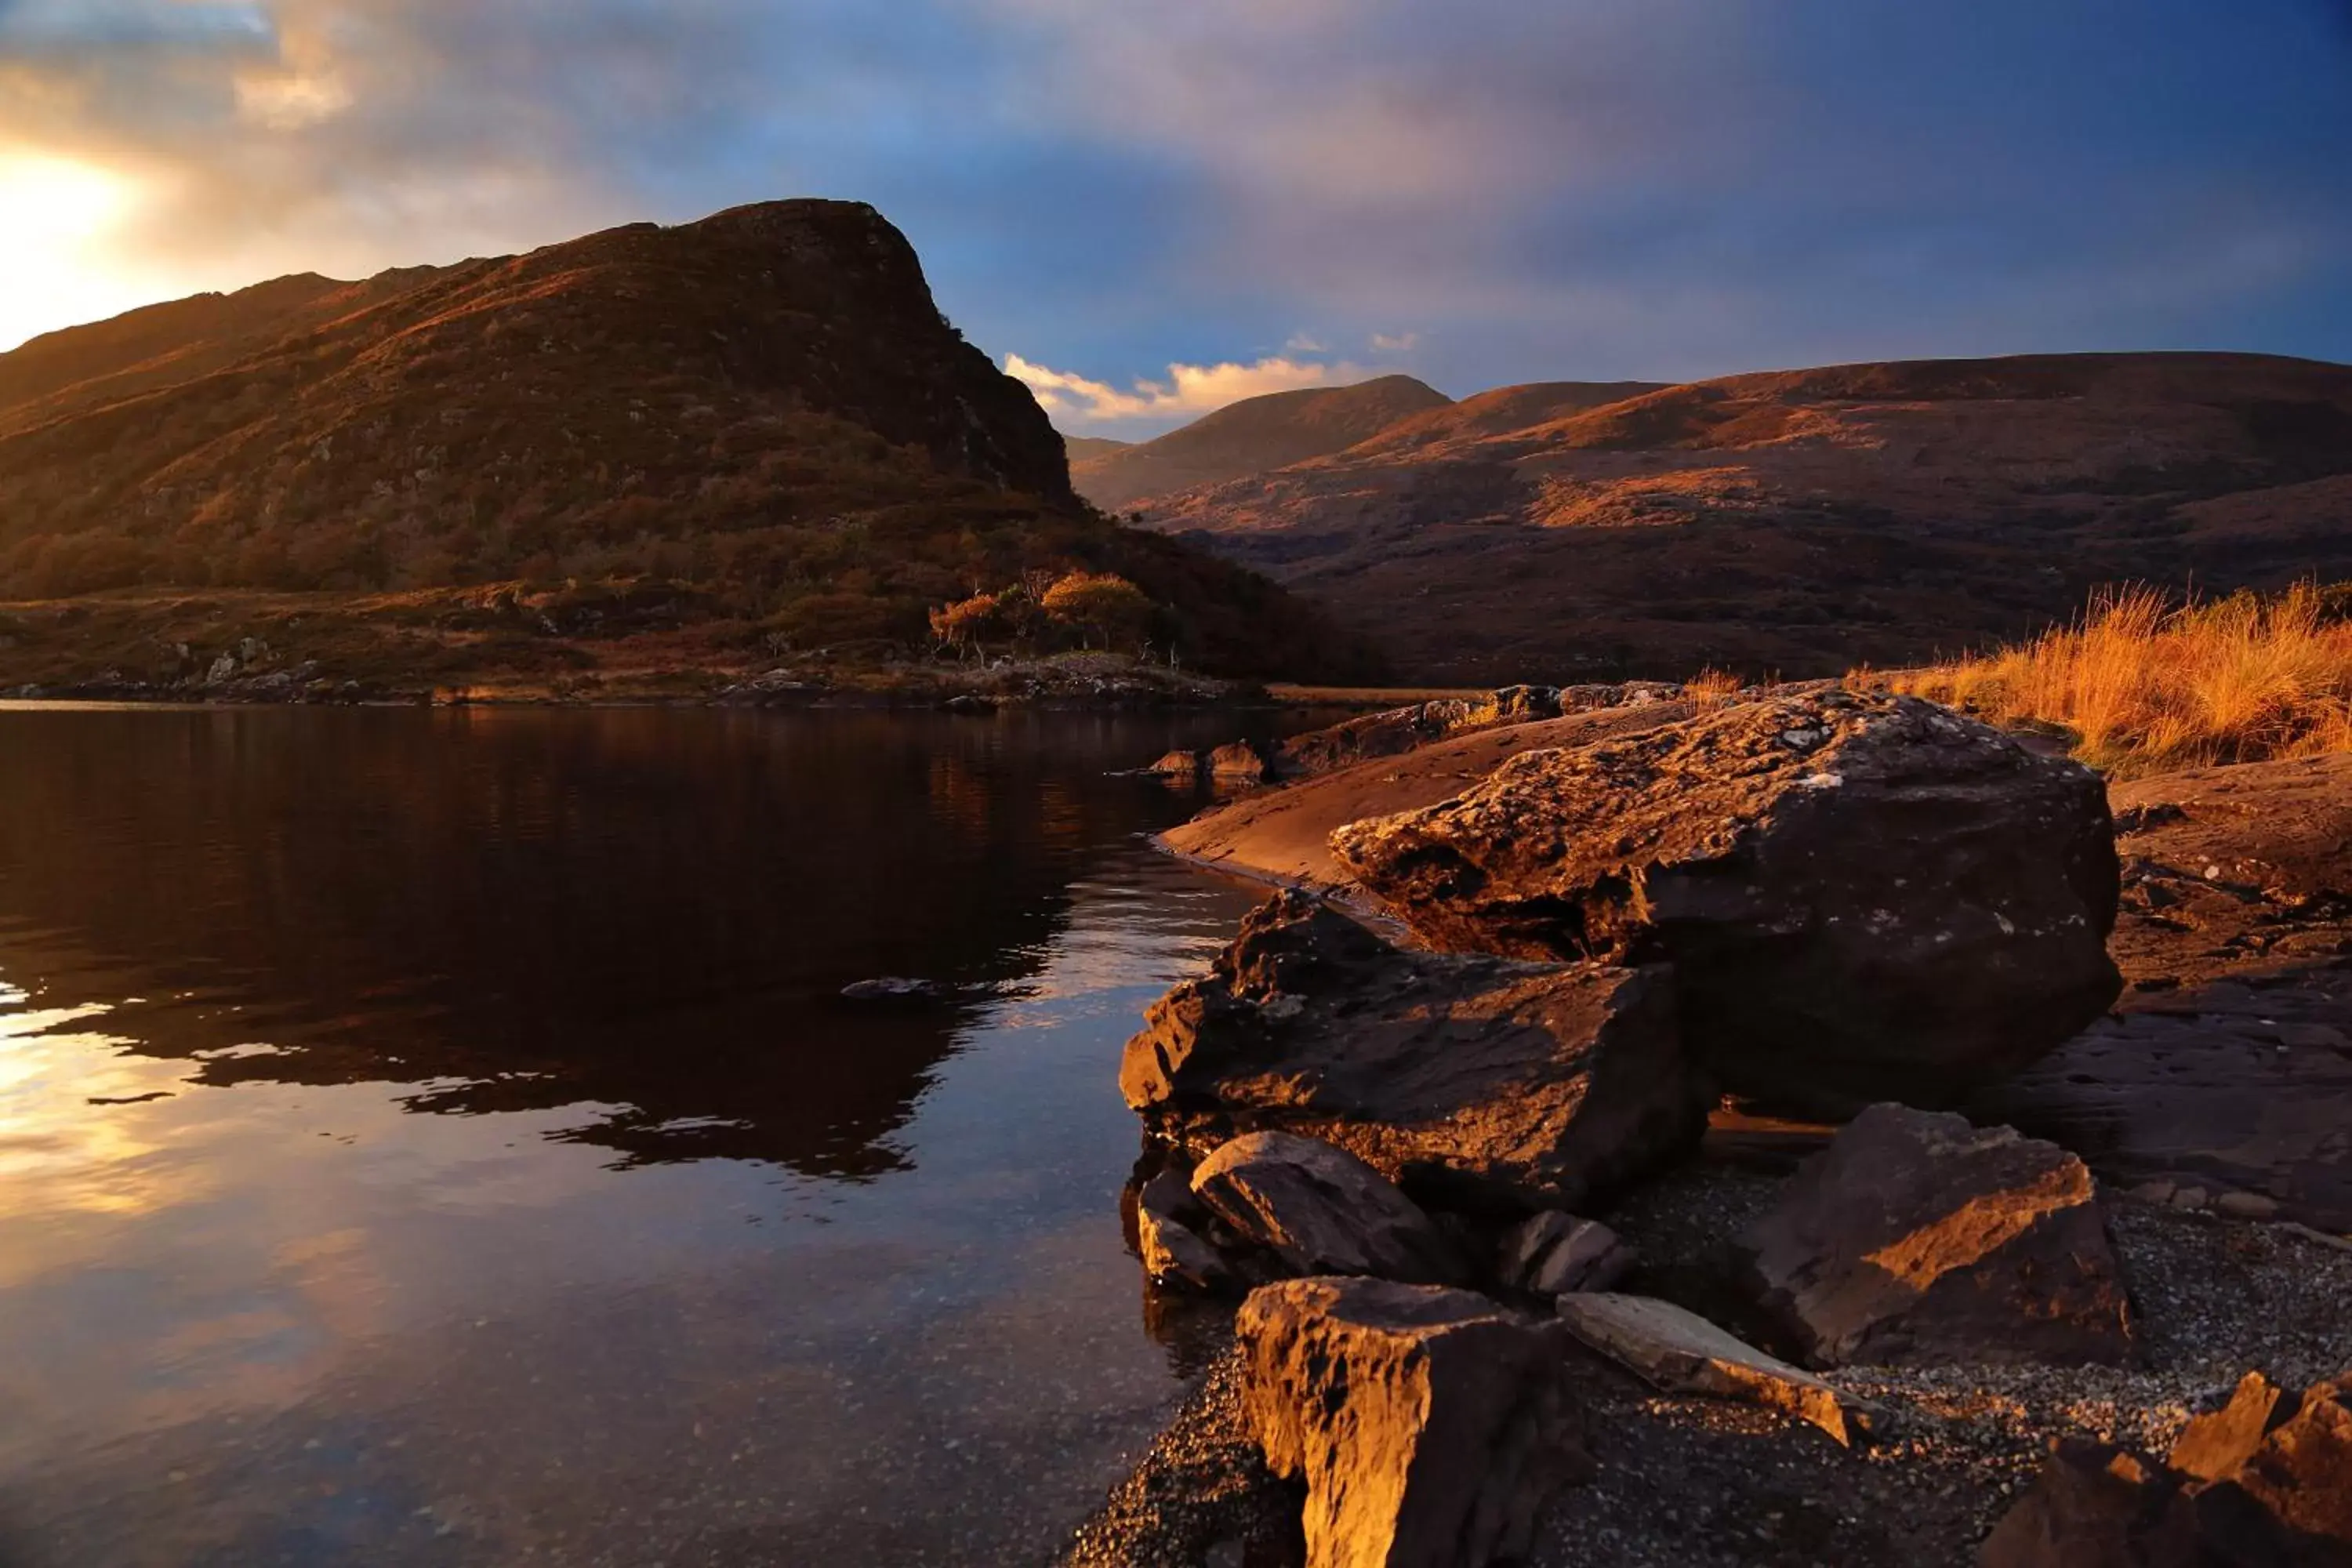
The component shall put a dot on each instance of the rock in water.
(1430, 1425)
(1240, 762)
(1682, 1352)
(1864, 898)
(1914, 1237)
(1473, 1079)
(1322, 1211)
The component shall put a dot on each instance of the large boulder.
(1322, 1211)
(1915, 1238)
(1475, 1082)
(1430, 1425)
(2098, 1506)
(1864, 898)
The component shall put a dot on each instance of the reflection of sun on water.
(58, 216)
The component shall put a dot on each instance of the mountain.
(766, 406)
(1799, 522)
(1251, 436)
(1083, 449)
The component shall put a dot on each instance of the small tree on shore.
(1100, 603)
(966, 624)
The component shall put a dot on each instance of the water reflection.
(519, 910)
(712, 1267)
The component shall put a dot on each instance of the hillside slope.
(1251, 436)
(765, 405)
(1801, 521)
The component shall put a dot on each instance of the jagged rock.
(1175, 1254)
(1430, 1425)
(1322, 1211)
(1917, 1238)
(2097, 1506)
(1473, 1079)
(2289, 1500)
(1554, 1252)
(1864, 897)
(1182, 765)
(2264, 1482)
(1682, 1352)
(1395, 731)
(899, 988)
(1591, 1256)
(1528, 1243)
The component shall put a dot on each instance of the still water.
(437, 1138)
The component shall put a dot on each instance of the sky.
(1146, 209)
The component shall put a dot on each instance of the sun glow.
(57, 218)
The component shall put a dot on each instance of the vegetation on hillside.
(2145, 684)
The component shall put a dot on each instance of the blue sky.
(1157, 206)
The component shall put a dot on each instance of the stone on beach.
(1322, 1211)
(1430, 1425)
(1485, 1081)
(1864, 898)
(1917, 1238)
(1680, 1353)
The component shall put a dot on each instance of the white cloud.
(1395, 342)
(1189, 389)
(1301, 344)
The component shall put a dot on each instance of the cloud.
(1189, 390)
(60, 28)
(1395, 342)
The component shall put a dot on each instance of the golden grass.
(1713, 688)
(2144, 686)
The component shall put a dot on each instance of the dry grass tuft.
(1712, 688)
(2145, 686)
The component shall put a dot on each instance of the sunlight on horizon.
(61, 217)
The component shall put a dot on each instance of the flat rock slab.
(1430, 1425)
(2227, 1068)
(1322, 1211)
(1680, 1353)
(1915, 1238)
(1475, 1082)
(1285, 836)
(1864, 898)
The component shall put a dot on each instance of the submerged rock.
(1322, 1211)
(1475, 1080)
(1430, 1425)
(1915, 1238)
(1864, 898)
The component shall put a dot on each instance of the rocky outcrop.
(1680, 1353)
(2264, 1482)
(1475, 1080)
(1430, 1425)
(1915, 1238)
(1864, 897)
(1322, 1211)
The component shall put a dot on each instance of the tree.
(1100, 604)
(965, 625)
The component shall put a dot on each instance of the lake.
(436, 1137)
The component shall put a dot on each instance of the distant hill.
(1083, 449)
(766, 407)
(1799, 521)
(1251, 436)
